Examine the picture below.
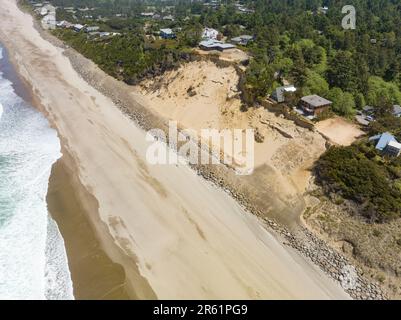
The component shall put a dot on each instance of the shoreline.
(271, 223)
(68, 199)
(96, 274)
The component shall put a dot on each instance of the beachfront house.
(387, 144)
(167, 34)
(314, 105)
(211, 44)
(209, 33)
(78, 27)
(242, 40)
(280, 93)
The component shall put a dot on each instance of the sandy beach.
(163, 231)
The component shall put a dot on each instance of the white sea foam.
(33, 262)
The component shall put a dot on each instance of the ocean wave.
(33, 262)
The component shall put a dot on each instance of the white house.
(209, 33)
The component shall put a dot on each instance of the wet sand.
(94, 274)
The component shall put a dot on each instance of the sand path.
(190, 239)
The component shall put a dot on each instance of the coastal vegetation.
(128, 58)
(360, 174)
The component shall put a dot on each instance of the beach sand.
(176, 235)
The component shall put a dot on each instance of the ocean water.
(33, 261)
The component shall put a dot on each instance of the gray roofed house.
(279, 93)
(314, 104)
(242, 40)
(78, 27)
(215, 45)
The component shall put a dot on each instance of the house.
(209, 33)
(93, 34)
(280, 93)
(147, 14)
(397, 110)
(169, 18)
(393, 149)
(78, 27)
(167, 34)
(323, 10)
(92, 29)
(314, 104)
(64, 24)
(211, 44)
(242, 40)
(104, 34)
(387, 144)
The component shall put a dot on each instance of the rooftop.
(167, 31)
(211, 43)
(316, 101)
(383, 140)
(289, 88)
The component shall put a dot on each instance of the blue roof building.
(382, 140)
(387, 144)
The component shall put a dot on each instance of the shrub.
(348, 172)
